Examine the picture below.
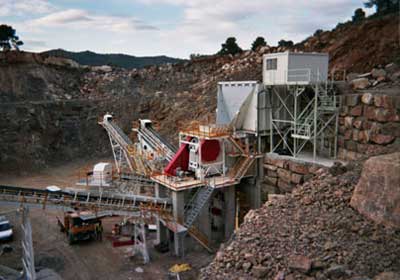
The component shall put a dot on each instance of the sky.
(175, 28)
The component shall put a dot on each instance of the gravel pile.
(312, 233)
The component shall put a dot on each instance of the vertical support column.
(273, 100)
(162, 236)
(315, 122)
(256, 195)
(223, 157)
(253, 192)
(178, 204)
(230, 211)
(295, 124)
(335, 148)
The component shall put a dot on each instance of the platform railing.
(207, 130)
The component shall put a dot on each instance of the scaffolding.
(304, 115)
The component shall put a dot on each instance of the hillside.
(116, 60)
(63, 100)
(358, 47)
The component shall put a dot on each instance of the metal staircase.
(192, 211)
(303, 128)
(194, 207)
(200, 237)
(237, 144)
(240, 168)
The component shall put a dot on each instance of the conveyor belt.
(157, 142)
(172, 148)
(124, 137)
(101, 201)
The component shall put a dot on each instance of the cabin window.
(272, 64)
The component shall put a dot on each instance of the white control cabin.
(102, 174)
(289, 68)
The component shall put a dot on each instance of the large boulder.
(377, 194)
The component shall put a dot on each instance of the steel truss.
(304, 114)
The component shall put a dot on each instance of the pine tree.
(230, 47)
(258, 42)
(8, 39)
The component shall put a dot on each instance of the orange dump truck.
(80, 226)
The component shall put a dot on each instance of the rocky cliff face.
(49, 107)
(30, 77)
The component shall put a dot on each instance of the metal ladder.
(194, 207)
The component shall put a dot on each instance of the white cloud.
(75, 18)
(207, 23)
(24, 7)
(63, 17)
(200, 27)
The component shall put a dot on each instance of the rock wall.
(369, 124)
(282, 174)
(37, 134)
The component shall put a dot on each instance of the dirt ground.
(90, 259)
(64, 176)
